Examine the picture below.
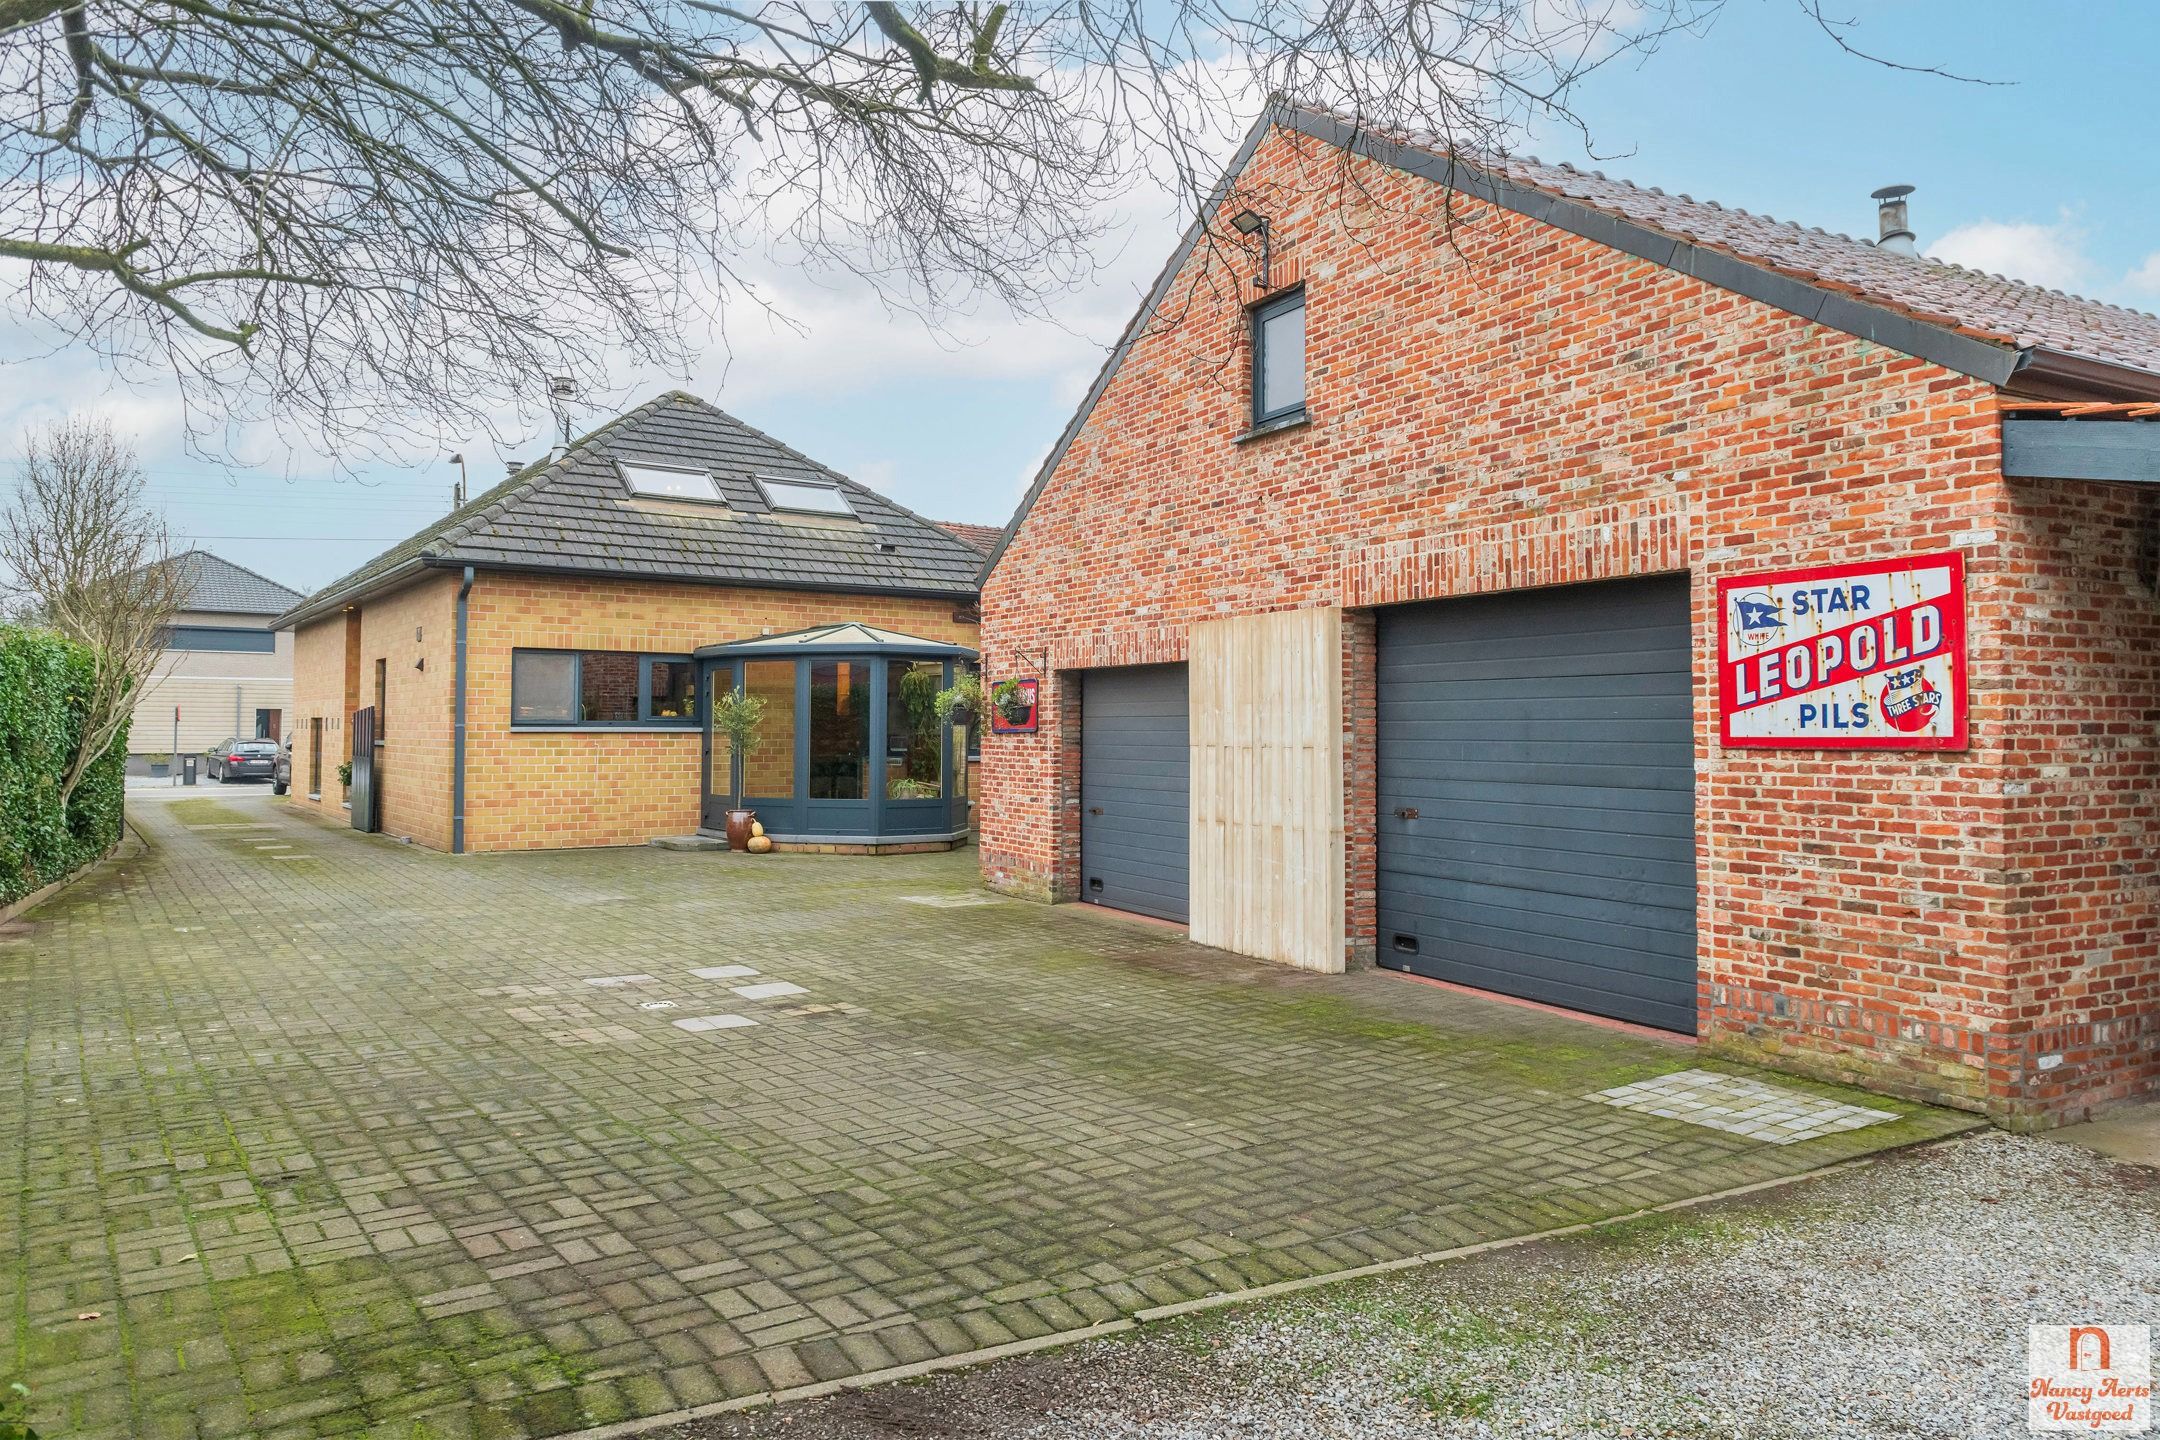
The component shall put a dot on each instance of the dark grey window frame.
(646, 719)
(623, 464)
(1259, 314)
(257, 642)
(765, 483)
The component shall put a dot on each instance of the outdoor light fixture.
(1249, 223)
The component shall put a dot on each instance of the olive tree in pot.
(737, 716)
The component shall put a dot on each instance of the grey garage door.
(1537, 799)
(1134, 831)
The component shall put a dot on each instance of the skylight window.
(662, 482)
(805, 496)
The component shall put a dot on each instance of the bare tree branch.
(1839, 30)
(383, 222)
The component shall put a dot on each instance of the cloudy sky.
(2049, 177)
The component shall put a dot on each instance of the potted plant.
(962, 701)
(737, 716)
(1011, 702)
(160, 765)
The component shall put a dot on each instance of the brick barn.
(1611, 601)
(539, 662)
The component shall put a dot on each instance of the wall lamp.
(1249, 223)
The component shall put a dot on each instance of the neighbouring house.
(1616, 602)
(227, 670)
(538, 665)
(981, 538)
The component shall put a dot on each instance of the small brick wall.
(1499, 405)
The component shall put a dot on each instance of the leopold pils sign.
(1867, 656)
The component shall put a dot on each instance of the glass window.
(601, 687)
(914, 741)
(798, 495)
(670, 690)
(382, 700)
(769, 766)
(667, 484)
(221, 637)
(1279, 357)
(608, 687)
(543, 687)
(840, 730)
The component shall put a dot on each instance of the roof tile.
(573, 512)
(217, 586)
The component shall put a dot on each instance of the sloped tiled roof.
(983, 537)
(217, 586)
(574, 513)
(1990, 306)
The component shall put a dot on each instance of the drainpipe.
(457, 728)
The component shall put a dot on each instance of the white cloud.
(2145, 277)
(2049, 255)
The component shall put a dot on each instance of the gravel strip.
(1890, 1301)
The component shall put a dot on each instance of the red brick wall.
(2080, 676)
(1525, 408)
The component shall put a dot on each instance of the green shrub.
(43, 682)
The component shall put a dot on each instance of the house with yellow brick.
(537, 669)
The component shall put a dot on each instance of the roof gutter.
(2048, 374)
(315, 607)
(586, 572)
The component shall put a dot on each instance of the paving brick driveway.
(328, 1135)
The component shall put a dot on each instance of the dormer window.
(666, 482)
(807, 497)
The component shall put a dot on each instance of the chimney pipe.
(1895, 228)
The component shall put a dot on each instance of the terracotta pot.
(738, 828)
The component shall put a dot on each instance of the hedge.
(43, 679)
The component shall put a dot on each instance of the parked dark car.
(239, 759)
(281, 778)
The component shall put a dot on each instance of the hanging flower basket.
(1014, 705)
(961, 703)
